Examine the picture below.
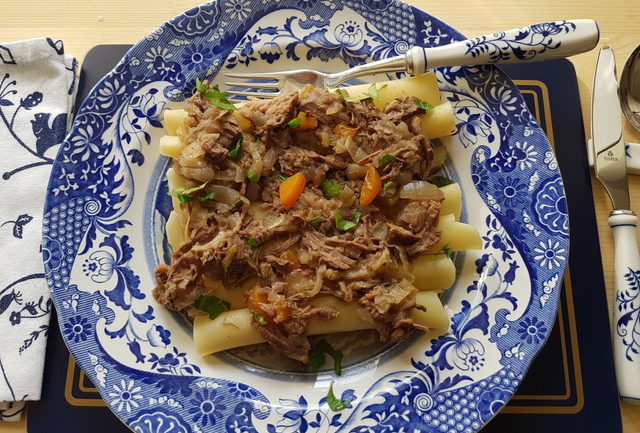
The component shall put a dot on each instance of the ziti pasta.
(315, 212)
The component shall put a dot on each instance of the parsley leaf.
(259, 318)
(217, 97)
(440, 181)
(295, 122)
(281, 177)
(252, 176)
(447, 251)
(201, 87)
(315, 221)
(317, 358)
(388, 185)
(371, 93)
(335, 404)
(385, 159)
(183, 194)
(344, 225)
(252, 242)
(234, 151)
(212, 305)
(330, 188)
(422, 104)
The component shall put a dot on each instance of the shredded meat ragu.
(294, 257)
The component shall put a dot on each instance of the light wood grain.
(83, 24)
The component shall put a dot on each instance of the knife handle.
(546, 41)
(626, 317)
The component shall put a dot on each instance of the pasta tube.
(424, 86)
(433, 272)
(452, 200)
(233, 328)
(456, 236)
(173, 119)
(439, 121)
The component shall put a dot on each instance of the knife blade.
(606, 131)
(611, 171)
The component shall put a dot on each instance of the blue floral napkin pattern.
(37, 90)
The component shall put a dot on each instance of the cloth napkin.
(37, 90)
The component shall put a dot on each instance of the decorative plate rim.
(483, 156)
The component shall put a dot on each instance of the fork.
(537, 42)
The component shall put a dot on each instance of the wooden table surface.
(83, 24)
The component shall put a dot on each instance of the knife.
(611, 171)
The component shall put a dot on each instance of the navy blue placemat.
(571, 384)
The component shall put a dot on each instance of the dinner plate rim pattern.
(74, 221)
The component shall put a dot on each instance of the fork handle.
(626, 312)
(531, 43)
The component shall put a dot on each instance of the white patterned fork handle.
(544, 41)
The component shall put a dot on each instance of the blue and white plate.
(107, 205)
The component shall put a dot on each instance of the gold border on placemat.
(568, 290)
(78, 381)
(69, 388)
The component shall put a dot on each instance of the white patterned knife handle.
(544, 41)
(626, 320)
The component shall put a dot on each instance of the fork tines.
(253, 88)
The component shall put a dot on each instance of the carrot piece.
(291, 189)
(371, 186)
(291, 256)
(257, 298)
(308, 122)
(344, 130)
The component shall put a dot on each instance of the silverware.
(610, 169)
(630, 88)
(532, 43)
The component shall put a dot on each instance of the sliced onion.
(225, 175)
(334, 108)
(239, 175)
(421, 190)
(228, 196)
(354, 150)
(351, 147)
(355, 171)
(339, 147)
(360, 155)
(257, 166)
(270, 158)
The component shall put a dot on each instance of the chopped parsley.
(440, 181)
(344, 225)
(335, 404)
(217, 98)
(259, 318)
(385, 159)
(252, 242)
(422, 104)
(201, 87)
(295, 122)
(184, 194)
(388, 184)
(315, 221)
(212, 305)
(371, 93)
(234, 151)
(329, 188)
(447, 251)
(281, 177)
(252, 176)
(317, 357)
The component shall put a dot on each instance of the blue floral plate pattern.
(106, 208)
